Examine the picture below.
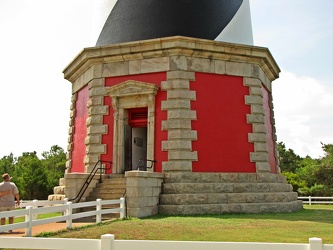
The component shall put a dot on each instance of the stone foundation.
(218, 193)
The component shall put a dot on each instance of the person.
(9, 193)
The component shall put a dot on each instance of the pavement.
(51, 227)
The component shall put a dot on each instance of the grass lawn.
(298, 227)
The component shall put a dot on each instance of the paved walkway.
(51, 227)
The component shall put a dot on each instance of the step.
(223, 198)
(273, 207)
(176, 188)
(191, 177)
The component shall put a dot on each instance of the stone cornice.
(171, 46)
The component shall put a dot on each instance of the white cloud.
(303, 109)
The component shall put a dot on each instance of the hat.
(6, 177)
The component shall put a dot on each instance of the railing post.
(98, 211)
(309, 200)
(122, 208)
(34, 205)
(28, 218)
(316, 244)
(69, 212)
(106, 241)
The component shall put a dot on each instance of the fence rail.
(107, 242)
(68, 215)
(316, 200)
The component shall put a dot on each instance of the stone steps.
(202, 193)
(281, 207)
(109, 189)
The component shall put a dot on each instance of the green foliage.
(294, 180)
(308, 176)
(34, 177)
(289, 161)
(31, 177)
(316, 190)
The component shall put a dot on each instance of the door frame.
(128, 95)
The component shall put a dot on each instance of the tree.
(31, 177)
(324, 175)
(289, 161)
(54, 163)
(7, 164)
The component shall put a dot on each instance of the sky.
(39, 38)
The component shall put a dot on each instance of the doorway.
(135, 138)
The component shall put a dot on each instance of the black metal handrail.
(90, 178)
(142, 167)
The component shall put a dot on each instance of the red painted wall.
(80, 131)
(160, 115)
(222, 143)
(269, 129)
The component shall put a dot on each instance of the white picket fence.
(316, 200)
(31, 212)
(107, 242)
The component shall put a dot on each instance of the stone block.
(173, 145)
(94, 120)
(182, 114)
(220, 67)
(252, 82)
(171, 166)
(96, 83)
(115, 69)
(134, 67)
(176, 124)
(93, 139)
(179, 74)
(98, 110)
(242, 188)
(97, 129)
(210, 178)
(160, 64)
(253, 99)
(263, 167)
(259, 128)
(255, 198)
(201, 65)
(257, 109)
(96, 149)
(181, 94)
(175, 84)
(259, 156)
(260, 147)
(255, 118)
(236, 198)
(183, 155)
(176, 104)
(257, 137)
(238, 69)
(182, 134)
(178, 63)
(97, 91)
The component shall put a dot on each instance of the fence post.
(122, 208)
(309, 200)
(28, 218)
(34, 205)
(98, 211)
(106, 241)
(69, 212)
(316, 244)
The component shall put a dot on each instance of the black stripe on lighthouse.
(133, 20)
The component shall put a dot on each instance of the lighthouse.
(179, 99)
